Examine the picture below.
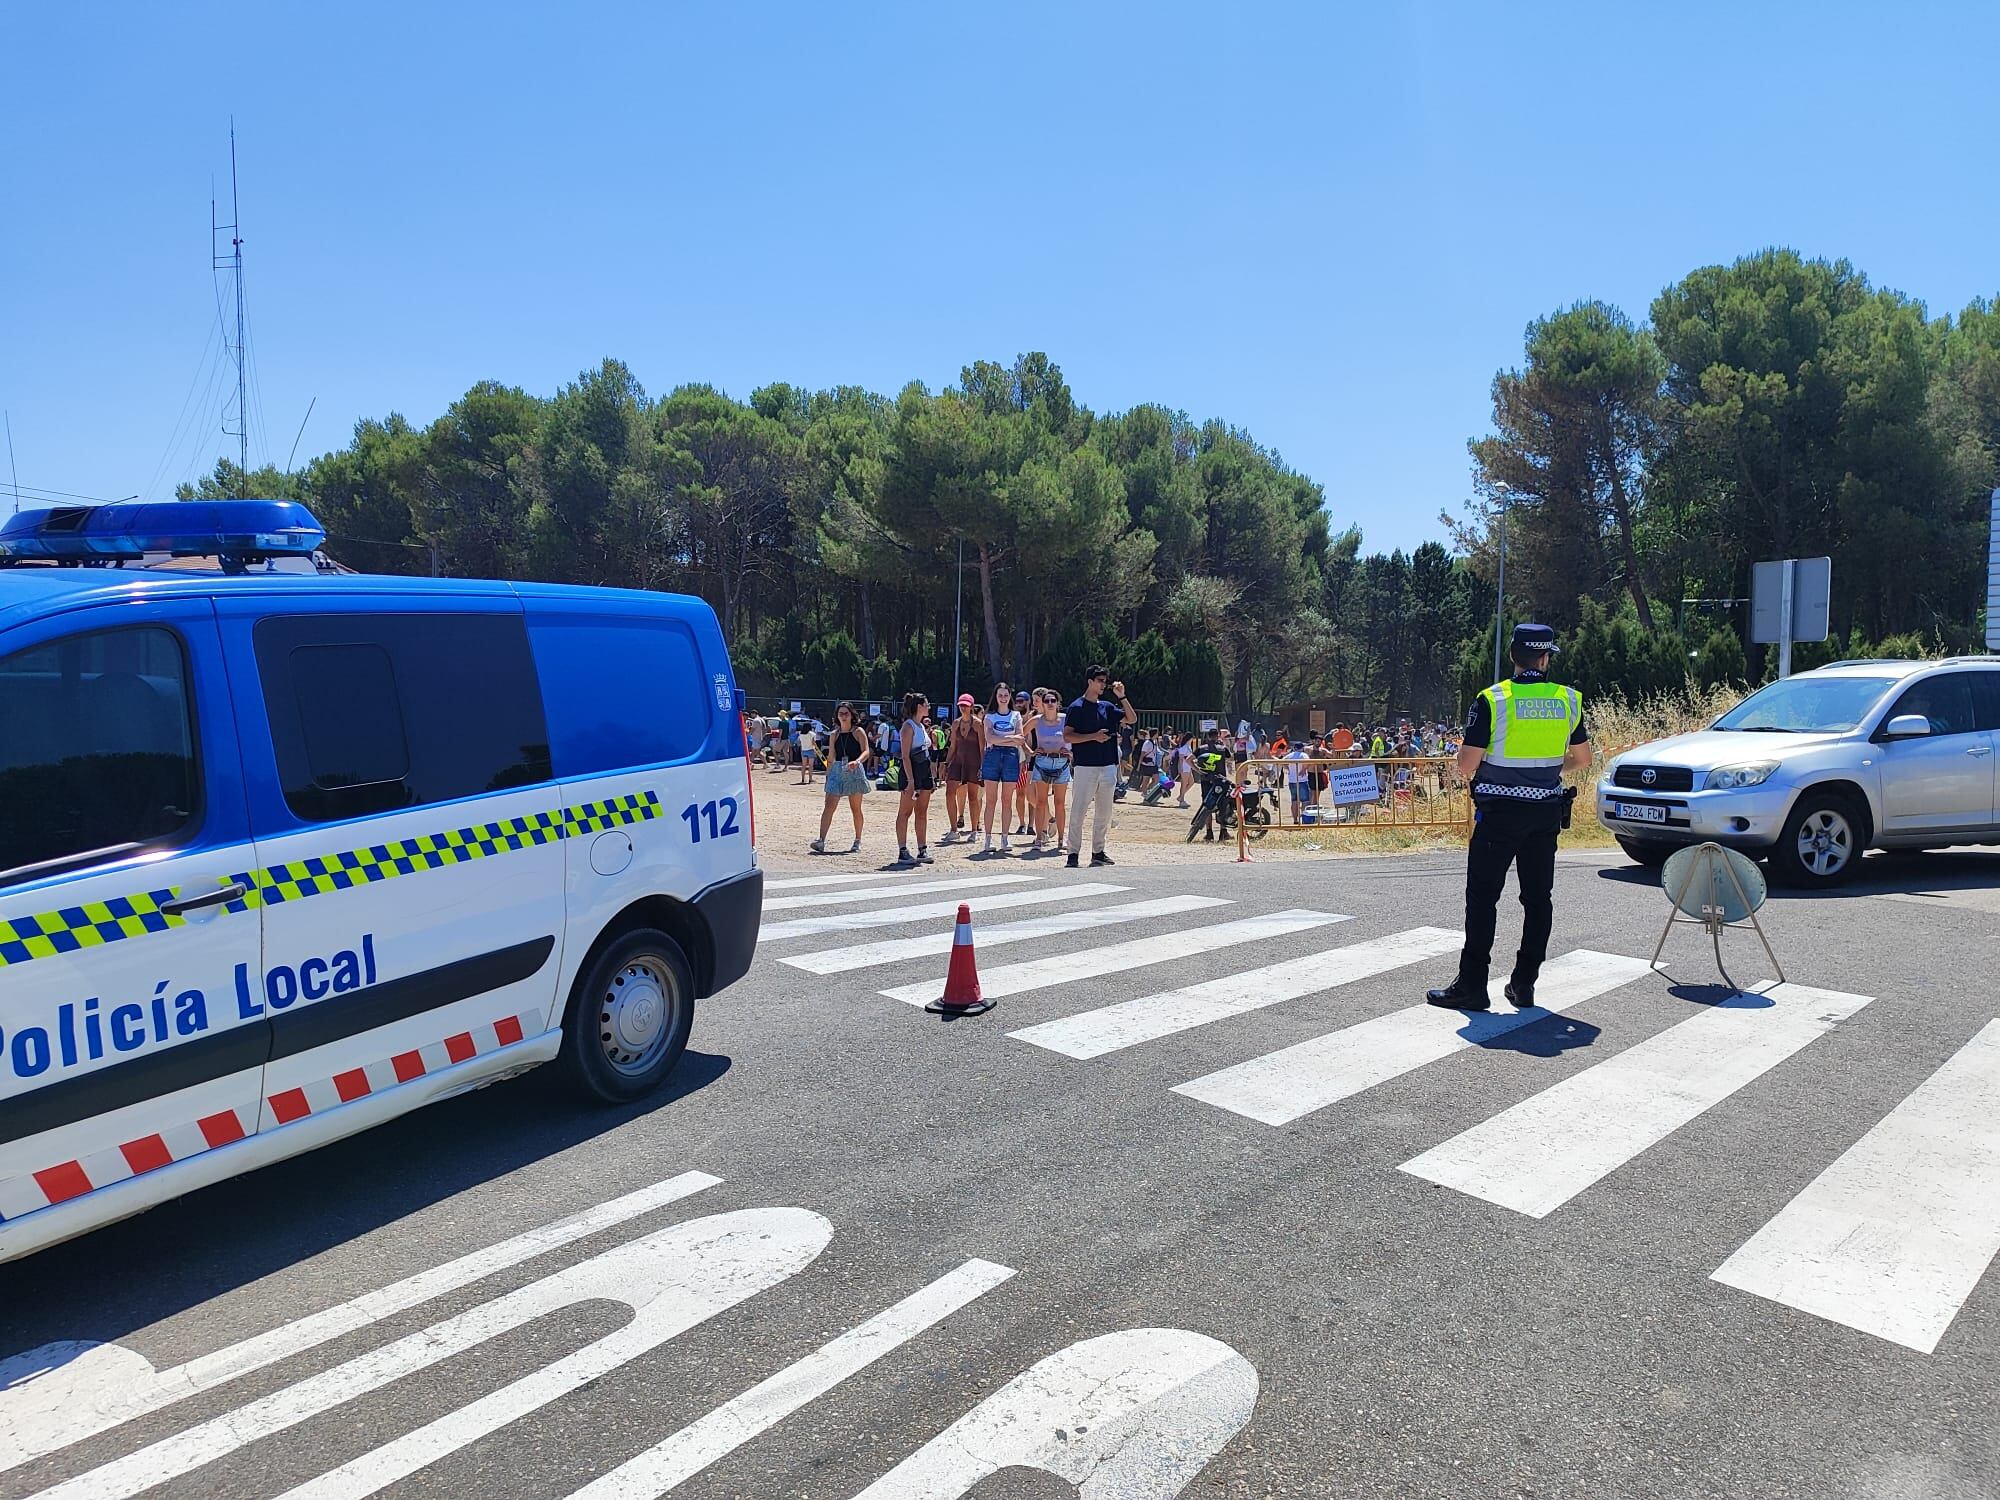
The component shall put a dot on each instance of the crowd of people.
(1029, 766)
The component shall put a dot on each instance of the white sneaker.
(1006, 844)
(855, 847)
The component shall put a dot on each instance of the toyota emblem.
(1648, 776)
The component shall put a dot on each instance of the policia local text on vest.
(1521, 736)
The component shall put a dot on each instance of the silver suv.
(1811, 771)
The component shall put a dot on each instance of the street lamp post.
(1503, 490)
(957, 625)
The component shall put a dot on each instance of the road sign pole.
(1785, 613)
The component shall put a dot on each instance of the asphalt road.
(1329, 1323)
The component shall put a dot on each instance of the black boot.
(1521, 993)
(1459, 995)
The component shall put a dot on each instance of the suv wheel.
(629, 1017)
(1821, 844)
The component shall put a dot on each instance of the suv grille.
(1655, 778)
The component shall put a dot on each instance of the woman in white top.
(1006, 739)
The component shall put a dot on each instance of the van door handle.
(235, 891)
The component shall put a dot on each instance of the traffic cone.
(961, 981)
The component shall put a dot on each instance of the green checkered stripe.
(277, 884)
(91, 925)
(619, 812)
(74, 928)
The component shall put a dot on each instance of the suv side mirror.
(1906, 727)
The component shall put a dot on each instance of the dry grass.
(1617, 726)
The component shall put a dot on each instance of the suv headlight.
(1726, 778)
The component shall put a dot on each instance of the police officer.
(1521, 736)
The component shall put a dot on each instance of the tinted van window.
(96, 748)
(621, 691)
(370, 713)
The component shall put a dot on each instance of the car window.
(96, 748)
(1946, 700)
(1985, 699)
(370, 713)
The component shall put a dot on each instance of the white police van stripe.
(1536, 1156)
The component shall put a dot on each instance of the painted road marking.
(672, 1280)
(62, 1393)
(1109, 1028)
(891, 950)
(1115, 958)
(891, 892)
(896, 916)
(806, 882)
(1291, 1083)
(1130, 1416)
(1536, 1156)
(1892, 1238)
(699, 1444)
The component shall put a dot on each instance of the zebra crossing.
(1891, 1238)
(1152, 1404)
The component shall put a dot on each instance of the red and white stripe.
(288, 1105)
(72, 1179)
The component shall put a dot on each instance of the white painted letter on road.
(1129, 1416)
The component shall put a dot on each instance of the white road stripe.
(672, 1280)
(1109, 1028)
(895, 916)
(60, 1394)
(769, 1402)
(1291, 1083)
(1892, 1238)
(1536, 1156)
(1115, 959)
(806, 882)
(891, 892)
(890, 950)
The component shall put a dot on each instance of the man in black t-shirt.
(1091, 728)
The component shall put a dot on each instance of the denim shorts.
(1001, 763)
(1051, 770)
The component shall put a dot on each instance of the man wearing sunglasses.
(1091, 726)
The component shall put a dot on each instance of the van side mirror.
(1906, 727)
(742, 702)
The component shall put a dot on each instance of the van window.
(621, 691)
(96, 748)
(370, 713)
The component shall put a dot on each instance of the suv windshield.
(1807, 705)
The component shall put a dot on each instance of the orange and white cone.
(961, 981)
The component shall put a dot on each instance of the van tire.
(629, 1017)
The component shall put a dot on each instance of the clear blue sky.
(1324, 224)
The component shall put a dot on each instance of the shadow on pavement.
(1937, 873)
(1549, 1036)
(185, 1252)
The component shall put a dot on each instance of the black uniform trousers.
(1525, 838)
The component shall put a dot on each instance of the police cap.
(1530, 640)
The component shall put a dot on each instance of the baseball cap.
(966, 700)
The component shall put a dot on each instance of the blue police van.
(284, 854)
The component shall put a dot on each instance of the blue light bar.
(241, 531)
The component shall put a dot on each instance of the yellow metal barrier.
(1413, 791)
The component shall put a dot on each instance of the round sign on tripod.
(1714, 888)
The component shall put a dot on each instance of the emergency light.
(238, 532)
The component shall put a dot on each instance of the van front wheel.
(629, 1017)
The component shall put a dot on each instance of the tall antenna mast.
(234, 262)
